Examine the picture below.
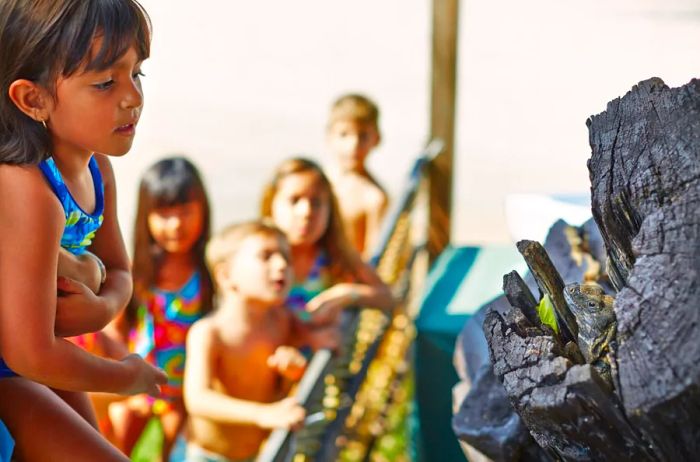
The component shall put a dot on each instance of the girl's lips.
(128, 129)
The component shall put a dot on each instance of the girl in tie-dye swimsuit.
(172, 290)
(329, 274)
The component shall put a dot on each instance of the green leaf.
(546, 312)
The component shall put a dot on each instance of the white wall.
(531, 73)
(239, 86)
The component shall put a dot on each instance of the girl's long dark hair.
(168, 182)
(42, 40)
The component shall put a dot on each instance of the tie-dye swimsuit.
(162, 323)
(80, 226)
(318, 280)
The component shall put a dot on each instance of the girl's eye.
(104, 85)
(138, 74)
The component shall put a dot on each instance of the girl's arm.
(29, 242)
(84, 312)
(367, 291)
(203, 401)
(83, 268)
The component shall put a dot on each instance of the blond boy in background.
(239, 362)
(352, 133)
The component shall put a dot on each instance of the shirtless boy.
(239, 363)
(352, 133)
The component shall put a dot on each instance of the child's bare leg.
(46, 428)
(80, 402)
(172, 421)
(129, 418)
(101, 403)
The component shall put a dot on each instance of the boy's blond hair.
(355, 107)
(224, 245)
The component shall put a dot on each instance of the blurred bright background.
(239, 86)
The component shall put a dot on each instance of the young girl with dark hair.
(172, 290)
(70, 96)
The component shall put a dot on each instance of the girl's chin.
(301, 239)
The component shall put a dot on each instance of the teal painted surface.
(460, 282)
(484, 281)
(443, 282)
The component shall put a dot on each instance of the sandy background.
(238, 86)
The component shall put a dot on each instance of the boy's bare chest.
(242, 365)
(252, 347)
(356, 196)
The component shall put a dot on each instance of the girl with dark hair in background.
(172, 290)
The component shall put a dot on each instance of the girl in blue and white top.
(69, 88)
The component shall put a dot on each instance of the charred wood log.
(569, 410)
(519, 296)
(550, 283)
(485, 420)
(645, 175)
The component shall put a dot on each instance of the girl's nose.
(133, 97)
(173, 223)
(303, 208)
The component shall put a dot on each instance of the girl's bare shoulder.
(25, 192)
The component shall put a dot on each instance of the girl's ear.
(30, 98)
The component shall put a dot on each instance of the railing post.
(442, 122)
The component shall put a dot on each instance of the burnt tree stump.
(645, 176)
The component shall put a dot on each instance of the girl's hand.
(84, 268)
(78, 309)
(325, 308)
(146, 377)
(283, 414)
(289, 362)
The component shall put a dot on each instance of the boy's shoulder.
(205, 331)
(374, 194)
(364, 182)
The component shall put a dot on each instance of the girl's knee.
(46, 428)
